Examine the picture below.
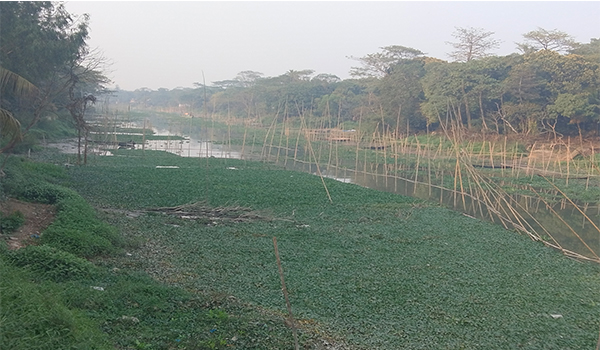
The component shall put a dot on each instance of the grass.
(377, 270)
(68, 293)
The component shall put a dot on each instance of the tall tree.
(378, 65)
(401, 95)
(472, 43)
(45, 44)
(542, 39)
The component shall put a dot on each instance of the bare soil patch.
(37, 217)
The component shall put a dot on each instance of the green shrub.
(77, 230)
(10, 223)
(42, 193)
(78, 242)
(35, 316)
(33, 181)
(51, 263)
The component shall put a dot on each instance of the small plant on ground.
(11, 222)
(51, 263)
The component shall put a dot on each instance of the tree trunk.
(78, 144)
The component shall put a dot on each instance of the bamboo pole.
(504, 157)
(273, 136)
(287, 145)
(568, 160)
(418, 161)
(385, 168)
(280, 140)
(262, 153)
(313, 155)
(358, 138)
(297, 140)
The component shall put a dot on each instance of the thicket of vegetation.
(49, 76)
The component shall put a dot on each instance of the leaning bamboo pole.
(297, 141)
(568, 226)
(262, 153)
(280, 140)
(287, 145)
(418, 162)
(358, 139)
(307, 136)
(568, 160)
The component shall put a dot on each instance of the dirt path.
(37, 218)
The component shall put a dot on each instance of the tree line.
(551, 85)
(50, 79)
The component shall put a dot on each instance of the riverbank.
(371, 270)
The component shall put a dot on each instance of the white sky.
(156, 44)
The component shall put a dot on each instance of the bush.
(77, 230)
(78, 242)
(10, 223)
(32, 181)
(43, 193)
(35, 316)
(51, 263)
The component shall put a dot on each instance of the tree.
(542, 39)
(576, 107)
(37, 38)
(472, 44)
(401, 95)
(589, 51)
(43, 43)
(378, 65)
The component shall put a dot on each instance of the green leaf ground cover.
(52, 298)
(378, 270)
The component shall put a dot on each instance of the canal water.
(559, 224)
(574, 228)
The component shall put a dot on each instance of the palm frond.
(13, 83)
(9, 125)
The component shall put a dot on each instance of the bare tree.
(85, 81)
(473, 43)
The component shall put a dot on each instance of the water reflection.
(559, 224)
(70, 147)
(191, 148)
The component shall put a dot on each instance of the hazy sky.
(156, 44)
